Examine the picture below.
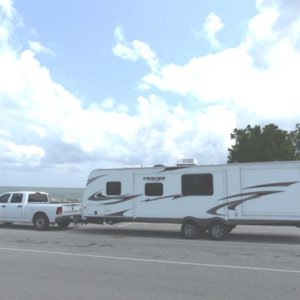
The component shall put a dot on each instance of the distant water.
(56, 193)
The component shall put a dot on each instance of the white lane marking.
(123, 224)
(251, 243)
(151, 260)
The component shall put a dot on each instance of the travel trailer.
(213, 198)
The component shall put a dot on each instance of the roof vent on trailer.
(186, 162)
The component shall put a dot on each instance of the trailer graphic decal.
(165, 197)
(118, 214)
(117, 199)
(230, 204)
(251, 195)
(273, 184)
(233, 204)
(93, 179)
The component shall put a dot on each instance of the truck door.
(14, 208)
(3, 203)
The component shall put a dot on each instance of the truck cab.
(12, 205)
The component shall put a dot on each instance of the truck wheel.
(64, 224)
(189, 230)
(218, 231)
(41, 222)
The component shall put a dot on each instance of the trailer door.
(271, 191)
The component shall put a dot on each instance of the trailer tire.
(41, 221)
(217, 231)
(189, 230)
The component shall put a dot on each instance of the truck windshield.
(37, 197)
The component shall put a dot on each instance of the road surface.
(148, 261)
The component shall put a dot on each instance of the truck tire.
(41, 221)
(217, 231)
(189, 230)
(64, 223)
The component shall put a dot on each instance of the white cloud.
(261, 26)
(37, 47)
(134, 50)
(6, 15)
(108, 103)
(6, 8)
(43, 125)
(257, 79)
(212, 25)
(30, 155)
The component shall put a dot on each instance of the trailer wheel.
(41, 222)
(218, 231)
(189, 230)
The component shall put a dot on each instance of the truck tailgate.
(71, 209)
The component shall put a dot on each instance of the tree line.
(268, 143)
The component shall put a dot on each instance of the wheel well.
(190, 220)
(204, 222)
(218, 222)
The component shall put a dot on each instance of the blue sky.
(97, 84)
(81, 38)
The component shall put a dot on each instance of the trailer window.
(153, 189)
(197, 184)
(16, 198)
(113, 188)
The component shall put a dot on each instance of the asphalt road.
(148, 261)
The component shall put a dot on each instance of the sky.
(104, 84)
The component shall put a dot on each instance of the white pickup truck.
(36, 208)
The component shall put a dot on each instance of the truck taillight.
(59, 210)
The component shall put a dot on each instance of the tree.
(261, 144)
(295, 138)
